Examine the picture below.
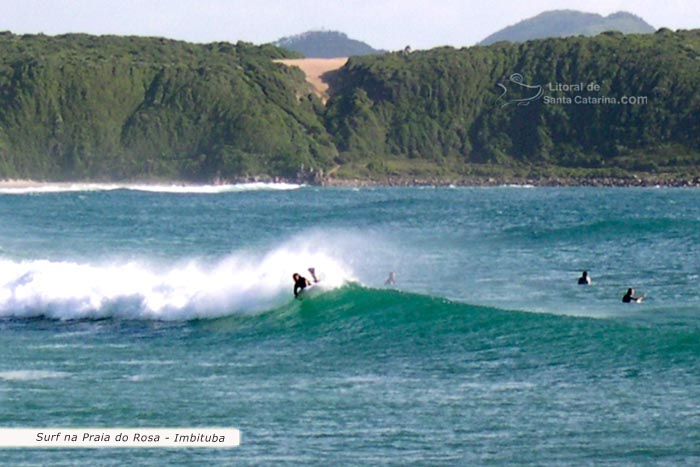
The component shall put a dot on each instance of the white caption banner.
(119, 437)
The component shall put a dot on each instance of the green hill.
(562, 23)
(444, 106)
(80, 106)
(87, 107)
(326, 44)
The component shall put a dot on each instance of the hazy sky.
(387, 24)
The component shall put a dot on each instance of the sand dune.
(314, 69)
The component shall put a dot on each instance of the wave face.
(377, 320)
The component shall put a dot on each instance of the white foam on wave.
(152, 188)
(243, 282)
(31, 375)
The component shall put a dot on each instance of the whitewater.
(238, 283)
(172, 305)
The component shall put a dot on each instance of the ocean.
(148, 306)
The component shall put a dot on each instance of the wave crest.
(237, 284)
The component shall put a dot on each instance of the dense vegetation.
(562, 23)
(444, 105)
(80, 106)
(326, 44)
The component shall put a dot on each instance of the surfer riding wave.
(301, 282)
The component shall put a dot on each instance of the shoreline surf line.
(30, 186)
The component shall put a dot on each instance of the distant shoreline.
(553, 181)
(389, 181)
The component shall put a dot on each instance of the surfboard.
(309, 291)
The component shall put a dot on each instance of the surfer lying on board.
(630, 298)
(301, 282)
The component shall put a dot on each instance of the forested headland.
(80, 106)
(104, 107)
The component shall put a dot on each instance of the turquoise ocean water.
(161, 307)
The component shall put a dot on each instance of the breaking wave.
(240, 283)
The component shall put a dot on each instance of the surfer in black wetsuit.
(301, 282)
(630, 298)
(584, 279)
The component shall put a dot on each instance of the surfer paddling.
(630, 298)
(301, 282)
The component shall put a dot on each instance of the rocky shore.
(632, 181)
(406, 181)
